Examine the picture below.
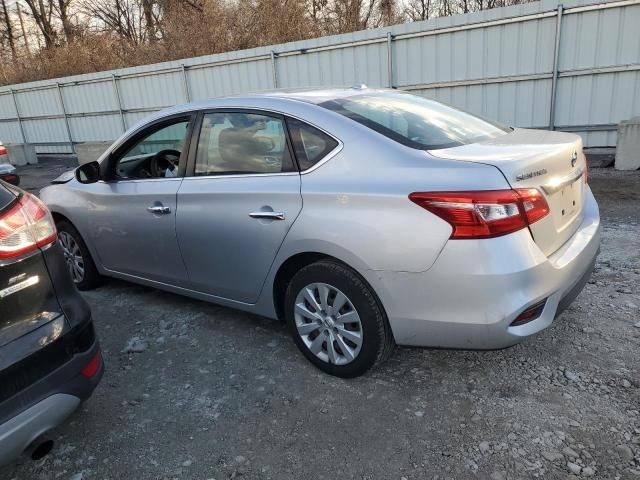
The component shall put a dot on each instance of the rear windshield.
(415, 121)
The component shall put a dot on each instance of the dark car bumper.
(29, 408)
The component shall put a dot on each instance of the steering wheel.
(162, 161)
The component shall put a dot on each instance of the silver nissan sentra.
(364, 218)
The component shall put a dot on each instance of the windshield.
(415, 121)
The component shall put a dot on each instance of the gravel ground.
(197, 391)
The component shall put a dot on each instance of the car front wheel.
(80, 265)
(336, 320)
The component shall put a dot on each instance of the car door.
(132, 214)
(236, 204)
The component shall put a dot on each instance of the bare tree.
(23, 30)
(416, 10)
(63, 12)
(122, 17)
(42, 13)
(7, 28)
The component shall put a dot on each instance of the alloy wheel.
(328, 323)
(72, 256)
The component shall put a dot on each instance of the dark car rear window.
(415, 121)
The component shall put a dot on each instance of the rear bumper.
(46, 403)
(476, 288)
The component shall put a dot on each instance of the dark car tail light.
(25, 227)
(485, 213)
(3, 150)
(10, 177)
(93, 366)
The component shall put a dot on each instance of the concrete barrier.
(21, 154)
(628, 148)
(90, 151)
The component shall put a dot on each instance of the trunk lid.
(552, 162)
(27, 297)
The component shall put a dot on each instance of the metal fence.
(572, 67)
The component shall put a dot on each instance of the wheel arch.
(58, 217)
(295, 263)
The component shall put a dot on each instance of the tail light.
(486, 213)
(93, 366)
(3, 151)
(26, 226)
(9, 178)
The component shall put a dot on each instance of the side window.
(310, 144)
(156, 154)
(242, 143)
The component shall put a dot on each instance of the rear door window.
(310, 144)
(242, 143)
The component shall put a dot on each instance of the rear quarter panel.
(356, 205)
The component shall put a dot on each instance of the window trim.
(195, 140)
(116, 153)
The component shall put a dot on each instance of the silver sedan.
(363, 218)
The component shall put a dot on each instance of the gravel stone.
(553, 456)
(624, 452)
(570, 452)
(574, 468)
(135, 345)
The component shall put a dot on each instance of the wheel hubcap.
(328, 323)
(72, 256)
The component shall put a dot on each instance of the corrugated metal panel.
(229, 79)
(45, 131)
(89, 97)
(10, 132)
(346, 66)
(7, 107)
(95, 128)
(39, 102)
(151, 91)
(501, 69)
(598, 99)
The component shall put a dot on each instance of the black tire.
(377, 339)
(91, 278)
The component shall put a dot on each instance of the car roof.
(280, 100)
(277, 98)
(316, 95)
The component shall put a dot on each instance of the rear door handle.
(268, 215)
(158, 209)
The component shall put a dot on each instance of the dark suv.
(50, 360)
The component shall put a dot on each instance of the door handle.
(158, 209)
(268, 215)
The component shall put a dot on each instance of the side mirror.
(88, 173)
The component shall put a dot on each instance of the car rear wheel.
(77, 257)
(336, 320)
